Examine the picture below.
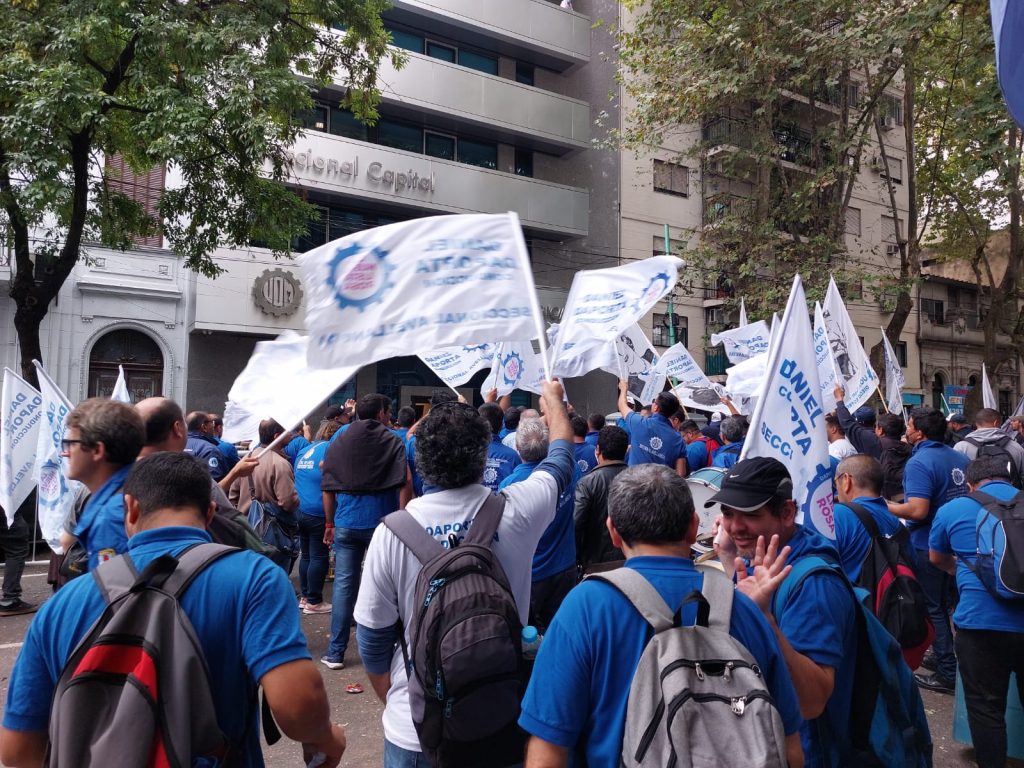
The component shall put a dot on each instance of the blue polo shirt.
(205, 448)
(727, 455)
(819, 621)
(229, 452)
(242, 608)
(580, 684)
(101, 526)
(364, 510)
(935, 472)
(556, 550)
(852, 539)
(586, 457)
(501, 460)
(652, 440)
(696, 455)
(591, 438)
(954, 532)
(307, 478)
(295, 446)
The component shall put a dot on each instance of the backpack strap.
(803, 568)
(719, 590)
(865, 519)
(252, 488)
(487, 520)
(115, 577)
(641, 594)
(424, 546)
(192, 562)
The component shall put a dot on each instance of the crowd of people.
(574, 501)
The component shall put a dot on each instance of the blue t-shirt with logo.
(652, 440)
(501, 460)
(935, 472)
(852, 539)
(954, 532)
(307, 478)
(101, 526)
(580, 684)
(585, 456)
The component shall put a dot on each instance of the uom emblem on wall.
(277, 292)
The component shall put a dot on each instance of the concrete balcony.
(517, 113)
(336, 165)
(534, 30)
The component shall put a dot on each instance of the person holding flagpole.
(652, 439)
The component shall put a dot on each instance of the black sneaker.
(935, 682)
(16, 607)
(930, 661)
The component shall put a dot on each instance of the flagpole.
(538, 318)
(878, 389)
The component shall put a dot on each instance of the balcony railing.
(791, 143)
(715, 361)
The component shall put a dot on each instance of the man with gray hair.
(734, 433)
(591, 649)
(554, 562)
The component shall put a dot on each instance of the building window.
(675, 246)
(662, 335)
(524, 72)
(481, 153)
(439, 145)
(412, 41)
(143, 188)
(314, 119)
(891, 109)
(900, 348)
(408, 41)
(895, 170)
(853, 221)
(934, 311)
(397, 135)
(479, 61)
(344, 123)
(671, 178)
(524, 162)
(892, 229)
(440, 51)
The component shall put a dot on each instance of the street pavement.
(360, 713)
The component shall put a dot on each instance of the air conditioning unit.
(892, 251)
(887, 123)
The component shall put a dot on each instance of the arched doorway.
(938, 392)
(142, 360)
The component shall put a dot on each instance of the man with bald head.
(203, 445)
(859, 481)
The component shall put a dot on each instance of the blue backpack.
(888, 727)
(1000, 546)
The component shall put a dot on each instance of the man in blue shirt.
(989, 630)
(699, 447)
(815, 627)
(103, 439)
(933, 475)
(733, 432)
(652, 439)
(554, 562)
(595, 423)
(859, 481)
(583, 452)
(576, 700)
(228, 450)
(501, 459)
(203, 445)
(240, 607)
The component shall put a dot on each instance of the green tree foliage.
(207, 88)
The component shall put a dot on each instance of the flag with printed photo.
(894, 379)
(789, 422)
(57, 493)
(456, 365)
(515, 365)
(744, 342)
(22, 416)
(693, 388)
(853, 367)
(826, 363)
(428, 283)
(636, 363)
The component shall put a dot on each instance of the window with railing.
(715, 361)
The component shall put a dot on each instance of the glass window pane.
(480, 153)
(344, 223)
(479, 62)
(316, 235)
(400, 136)
(439, 51)
(524, 73)
(344, 123)
(440, 146)
(524, 162)
(406, 40)
(314, 119)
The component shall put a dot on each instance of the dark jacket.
(862, 438)
(893, 457)
(366, 458)
(593, 543)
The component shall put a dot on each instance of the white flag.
(56, 492)
(428, 283)
(853, 367)
(22, 416)
(743, 313)
(894, 379)
(826, 363)
(277, 383)
(120, 392)
(693, 388)
(789, 423)
(580, 359)
(988, 397)
(636, 362)
(240, 425)
(603, 303)
(744, 342)
(515, 366)
(456, 365)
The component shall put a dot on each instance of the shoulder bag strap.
(865, 519)
(641, 594)
(192, 562)
(487, 520)
(115, 577)
(719, 590)
(252, 488)
(411, 533)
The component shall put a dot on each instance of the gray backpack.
(136, 690)
(698, 698)
(465, 664)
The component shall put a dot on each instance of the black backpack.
(465, 664)
(895, 595)
(998, 449)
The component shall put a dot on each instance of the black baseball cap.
(334, 411)
(957, 418)
(750, 484)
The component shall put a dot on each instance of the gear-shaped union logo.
(367, 280)
(655, 289)
(819, 501)
(512, 368)
(656, 443)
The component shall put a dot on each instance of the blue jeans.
(350, 545)
(935, 584)
(396, 757)
(314, 558)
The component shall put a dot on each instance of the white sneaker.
(303, 602)
(314, 608)
(330, 663)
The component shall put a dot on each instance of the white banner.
(743, 313)
(515, 366)
(56, 492)
(428, 283)
(456, 365)
(580, 359)
(120, 392)
(604, 303)
(636, 362)
(240, 425)
(744, 342)
(826, 363)
(853, 367)
(22, 415)
(894, 379)
(277, 383)
(693, 388)
(789, 423)
(988, 397)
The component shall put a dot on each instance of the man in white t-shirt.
(839, 447)
(451, 449)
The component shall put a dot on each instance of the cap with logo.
(752, 483)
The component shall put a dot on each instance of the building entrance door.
(142, 360)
